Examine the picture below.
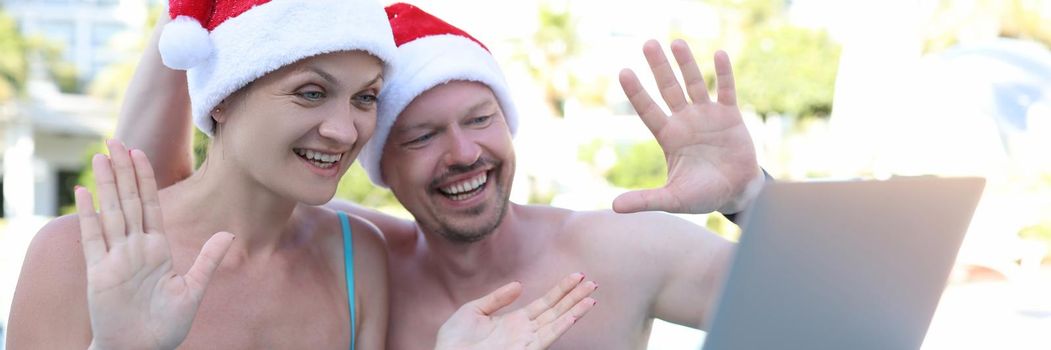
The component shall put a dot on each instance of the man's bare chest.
(420, 304)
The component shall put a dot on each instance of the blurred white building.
(45, 134)
(45, 137)
(84, 28)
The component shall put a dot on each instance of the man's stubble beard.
(475, 234)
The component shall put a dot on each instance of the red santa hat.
(225, 44)
(431, 52)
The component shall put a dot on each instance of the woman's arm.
(104, 278)
(155, 116)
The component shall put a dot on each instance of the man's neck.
(496, 259)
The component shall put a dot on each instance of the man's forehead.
(455, 99)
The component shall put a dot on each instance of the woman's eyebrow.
(378, 78)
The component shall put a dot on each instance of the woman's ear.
(218, 113)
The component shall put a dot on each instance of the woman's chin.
(318, 197)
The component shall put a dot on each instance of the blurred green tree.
(112, 81)
(356, 187)
(86, 178)
(639, 165)
(553, 46)
(60, 70)
(13, 61)
(16, 53)
(779, 68)
(1021, 19)
(1027, 19)
(788, 71)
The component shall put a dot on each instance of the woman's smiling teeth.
(464, 189)
(319, 159)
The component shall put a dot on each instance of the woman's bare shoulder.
(57, 243)
(49, 308)
(329, 230)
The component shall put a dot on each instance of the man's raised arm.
(155, 116)
(712, 166)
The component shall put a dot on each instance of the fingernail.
(573, 319)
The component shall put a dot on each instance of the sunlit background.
(830, 89)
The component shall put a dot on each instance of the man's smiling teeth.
(320, 159)
(466, 185)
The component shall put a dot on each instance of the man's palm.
(711, 160)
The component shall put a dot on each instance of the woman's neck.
(221, 197)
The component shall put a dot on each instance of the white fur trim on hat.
(278, 33)
(423, 64)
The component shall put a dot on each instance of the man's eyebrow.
(473, 109)
(480, 105)
(424, 125)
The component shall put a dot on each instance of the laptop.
(843, 264)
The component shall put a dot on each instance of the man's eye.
(480, 120)
(421, 139)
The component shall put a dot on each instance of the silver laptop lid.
(843, 265)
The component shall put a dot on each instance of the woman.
(290, 107)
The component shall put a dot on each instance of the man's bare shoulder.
(601, 233)
(587, 223)
(607, 222)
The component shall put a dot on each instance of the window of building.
(2, 200)
(66, 180)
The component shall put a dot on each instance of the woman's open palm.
(135, 298)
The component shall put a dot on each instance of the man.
(443, 145)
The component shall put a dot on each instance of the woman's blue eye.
(312, 95)
(367, 98)
(480, 120)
